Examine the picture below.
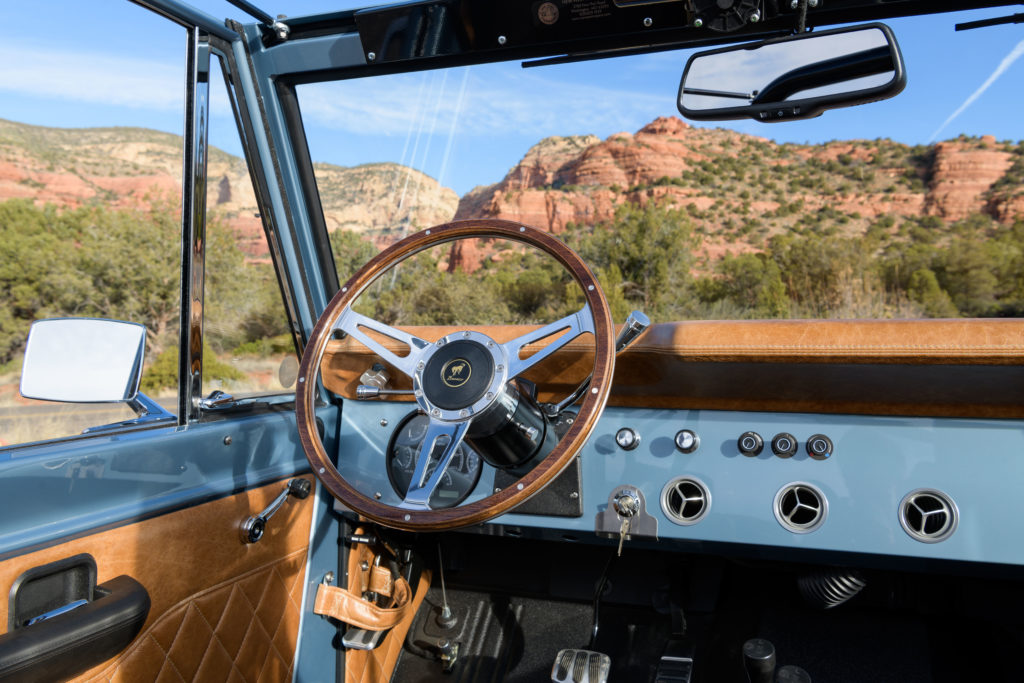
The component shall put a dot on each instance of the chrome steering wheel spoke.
(350, 322)
(571, 327)
(424, 481)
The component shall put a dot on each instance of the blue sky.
(468, 126)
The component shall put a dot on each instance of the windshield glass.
(908, 208)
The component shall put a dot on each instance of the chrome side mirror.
(86, 360)
(83, 360)
(793, 78)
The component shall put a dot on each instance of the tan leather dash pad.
(968, 368)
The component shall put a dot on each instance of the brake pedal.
(581, 666)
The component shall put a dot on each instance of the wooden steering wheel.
(451, 409)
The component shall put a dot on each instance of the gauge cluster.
(457, 482)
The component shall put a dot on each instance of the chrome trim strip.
(310, 549)
(193, 225)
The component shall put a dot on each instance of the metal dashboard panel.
(979, 464)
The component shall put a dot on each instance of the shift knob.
(793, 674)
(634, 326)
(759, 660)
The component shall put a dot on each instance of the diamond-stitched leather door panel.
(221, 610)
(242, 630)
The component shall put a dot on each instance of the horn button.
(458, 375)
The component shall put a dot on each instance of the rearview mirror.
(83, 360)
(793, 78)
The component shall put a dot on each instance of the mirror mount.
(148, 411)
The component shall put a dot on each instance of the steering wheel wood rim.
(536, 479)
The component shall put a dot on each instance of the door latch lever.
(254, 527)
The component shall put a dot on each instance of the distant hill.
(738, 189)
(741, 189)
(124, 167)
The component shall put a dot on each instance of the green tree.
(753, 283)
(924, 288)
(351, 252)
(652, 247)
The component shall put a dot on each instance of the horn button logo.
(456, 372)
(457, 375)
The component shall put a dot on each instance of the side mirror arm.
(148, 411)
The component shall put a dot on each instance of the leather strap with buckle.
(366, 576)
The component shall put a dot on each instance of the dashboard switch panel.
(784, 445)
(750, 444)
(687, 441)
(819, 447)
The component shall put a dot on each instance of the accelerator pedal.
(581, 666)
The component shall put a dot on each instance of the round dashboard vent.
(685, 500)
(928, 515)
(800, 507)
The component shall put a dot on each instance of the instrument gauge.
(403, 453)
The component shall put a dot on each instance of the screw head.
(227, 440)
(383, 422)
(794, 4)
(697, 23)
(370, 56)
(378, 495)
(648, 22)
(490, 395)
(502, 40)
(812, 3)
(435, 412)
(754, 17)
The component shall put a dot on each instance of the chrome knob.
(627, 439)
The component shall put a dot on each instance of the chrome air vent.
(928, 515)
(685, 500)
(800, 507)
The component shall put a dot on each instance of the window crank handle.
(254, 527)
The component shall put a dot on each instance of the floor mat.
(501, 639)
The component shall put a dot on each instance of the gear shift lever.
(759, 660)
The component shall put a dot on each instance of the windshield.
(908, 208)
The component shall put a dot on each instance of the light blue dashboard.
(876, 462)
